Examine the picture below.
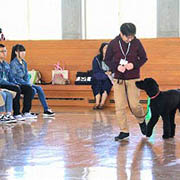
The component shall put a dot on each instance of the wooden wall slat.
(77, 55)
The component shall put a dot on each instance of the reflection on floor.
(78, 144)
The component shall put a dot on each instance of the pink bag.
(60, 77)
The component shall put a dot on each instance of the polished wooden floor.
(78, 144)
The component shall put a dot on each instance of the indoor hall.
(78, 144)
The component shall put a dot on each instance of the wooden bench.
(77, 55)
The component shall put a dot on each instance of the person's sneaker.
(19, 117)
(7, 119)
(1, 117)
(10, 118)
(33, 113)
(122, 136)
(143, 127)
(28, 115)
(48, 113)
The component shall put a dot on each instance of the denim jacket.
(20, 71)
(6, 76)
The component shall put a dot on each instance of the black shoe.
(101, 107)
(122, 136)
(96, 107)
(33, 113)
(143, 127)
(48, 113)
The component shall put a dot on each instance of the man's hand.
(121, 68)
(108, 73)
(129, 66)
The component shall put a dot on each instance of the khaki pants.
(121, 102)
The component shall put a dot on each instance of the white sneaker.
(10, 118)
(6, 119)
(19, 117)
(1, 117)
(29, 115)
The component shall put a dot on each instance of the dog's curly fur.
(163, 103)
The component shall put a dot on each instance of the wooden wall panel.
(76, 55)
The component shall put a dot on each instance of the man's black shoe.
(122, 136)
(143, 127)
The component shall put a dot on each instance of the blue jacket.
(6, 76)
(20, 71)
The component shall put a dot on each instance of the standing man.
(125, 56)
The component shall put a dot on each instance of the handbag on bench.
(83, 78)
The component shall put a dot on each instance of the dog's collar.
(155, 95)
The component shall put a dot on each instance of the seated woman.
(6, 101)
(20, 71)
(101, 83)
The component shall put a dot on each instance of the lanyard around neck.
(129, 44)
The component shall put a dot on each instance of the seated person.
(6, 99)
(101, 83)
(7, 81)
(20, 71)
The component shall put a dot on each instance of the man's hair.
(2, 45)
(128, 29)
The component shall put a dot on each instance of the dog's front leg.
(166, 126)
(152, 122)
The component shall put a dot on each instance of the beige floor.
(78, 144)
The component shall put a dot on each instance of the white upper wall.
(45, 19)
(142, 13)
(13, 19)
(104, 17)
(41, 19)
(31, 19)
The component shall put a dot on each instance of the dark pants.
(26, 90)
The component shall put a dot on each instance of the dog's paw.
(165, 136)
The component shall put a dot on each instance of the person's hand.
(121, 68)
(108, 73)
(129, 66)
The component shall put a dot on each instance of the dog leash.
(129, 103)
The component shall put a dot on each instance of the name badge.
(123, 62)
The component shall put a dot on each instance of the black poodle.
(163, 103)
